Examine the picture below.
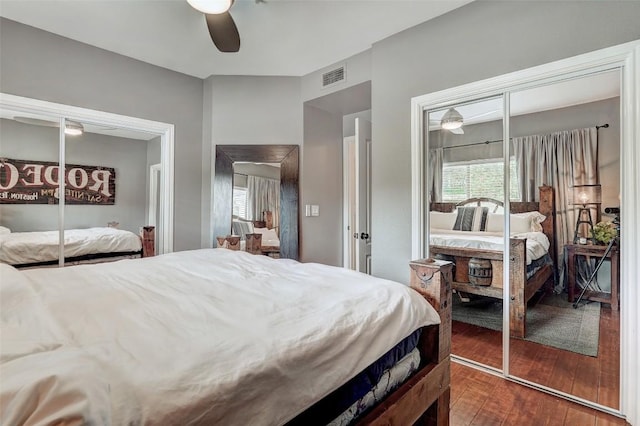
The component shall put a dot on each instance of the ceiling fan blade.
(457, 131)
(223, 31)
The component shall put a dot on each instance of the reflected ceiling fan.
(222, 28)
(452, 120)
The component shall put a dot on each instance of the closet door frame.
(66, 112)
(626, 58)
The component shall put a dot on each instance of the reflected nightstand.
(594, 251)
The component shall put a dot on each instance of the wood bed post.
(518, 298)
(148, 236)
(432, 279)
(424, 398)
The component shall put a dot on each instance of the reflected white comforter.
(19, 248)
(208, 337)
(537, 242)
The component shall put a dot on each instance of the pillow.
(536, 219)
(4, 230)
(268, 235)
(471, 218)
(439, 220)
(518, 222)
(241, 228)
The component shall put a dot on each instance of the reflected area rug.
(552, 321)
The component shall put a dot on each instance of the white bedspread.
(537, 242)
(18, 248)
(207, 337)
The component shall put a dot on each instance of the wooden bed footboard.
(424, 398)
(521, 289)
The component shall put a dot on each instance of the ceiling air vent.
(334, 76)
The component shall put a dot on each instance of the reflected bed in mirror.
(284, 217)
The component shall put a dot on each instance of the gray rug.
(551, 322)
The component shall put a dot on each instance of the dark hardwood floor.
(482, 399)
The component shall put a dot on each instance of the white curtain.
(434, 178)
(263, 194)
(561, 160)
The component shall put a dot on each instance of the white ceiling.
(278, 37)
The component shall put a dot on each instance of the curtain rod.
(604, 126)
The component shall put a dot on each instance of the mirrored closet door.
(465, 187)
(28, 189)
(112, 186)
(565, 147)
(99, 182)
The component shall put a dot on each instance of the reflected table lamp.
(584, 196)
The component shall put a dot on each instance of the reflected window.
(240, 202)
(478, 178)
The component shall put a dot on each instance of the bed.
(215, 336)
(529, 268)
(89, 245)
(269, 239)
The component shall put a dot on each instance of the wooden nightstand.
(595, 251)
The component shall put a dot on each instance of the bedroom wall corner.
(246, 110)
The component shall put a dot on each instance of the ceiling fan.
(222, 28)
(452, 120)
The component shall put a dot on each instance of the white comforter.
(203, 337)
(537, 242)
(18, 248)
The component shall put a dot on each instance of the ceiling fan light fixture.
(72, 128)
(212, 7)
(451, 119)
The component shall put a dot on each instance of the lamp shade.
(451, 119)
(586, 194)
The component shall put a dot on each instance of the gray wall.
(127, 156)
(497, 38)
(41, 65)
(322, 174)
(244, 110)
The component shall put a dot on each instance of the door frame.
(625, 57)
(347, 234)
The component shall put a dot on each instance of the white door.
(357, 199)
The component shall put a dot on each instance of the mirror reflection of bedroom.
(111, 192)
(256, 204)
(466, 171)
(562, 275)
(571, 142)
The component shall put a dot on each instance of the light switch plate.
(307, 210)
(315, 210)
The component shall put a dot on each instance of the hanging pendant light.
(451, 119)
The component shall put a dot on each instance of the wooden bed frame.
(147, 237)
(424, 398)
(521, 289)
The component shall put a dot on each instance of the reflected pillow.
(4, 230)
(269, 236)
(471, 218)
(439, 220)
(518, 222)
